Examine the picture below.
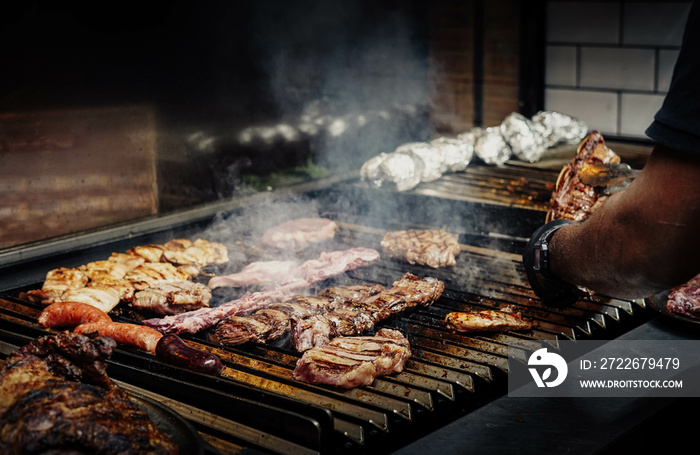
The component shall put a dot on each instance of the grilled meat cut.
(57, 282)
(311, 271)
(350, 362)
(149, 273)
(487, 321)
(259, 327)
(685, 299)
(172, 297)
(256, 274)
(335, 311)
(55, 397)
(432, 247)
(100, 296)
(300, 233)
(572, 199)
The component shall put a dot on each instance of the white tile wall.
(561, 65)
(583, 22)
(597, 109)
(610, 63)
(637, 112)
(617, 68)
(667, 60)
(654, 24)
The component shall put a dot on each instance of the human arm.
(642, 240)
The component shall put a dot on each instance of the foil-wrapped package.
(526, 142)
(405, 169)
(371, 171)
(558, 127)
(402, 168)
(455, 153)
(433, 164)
(491, 147)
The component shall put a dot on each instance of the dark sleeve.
(677, 124)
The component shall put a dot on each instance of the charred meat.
(55, 394)
(350, 362)
(432, 247)
(572, 199)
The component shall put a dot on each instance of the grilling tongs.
(612, 177)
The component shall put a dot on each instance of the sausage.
(135, 335)
(71, 314)
(173, 350)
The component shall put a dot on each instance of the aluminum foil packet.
(559, 128)
(433, 163)
(404, 169)
(527, 142)
(491, 147)
(456, 153)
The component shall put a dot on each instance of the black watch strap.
(536, 259)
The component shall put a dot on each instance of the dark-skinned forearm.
(642, 240)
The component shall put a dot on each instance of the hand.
(550, 289)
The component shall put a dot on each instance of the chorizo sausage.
(71, 314)
(173, 350)
(134, 335)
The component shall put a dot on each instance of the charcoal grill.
(256, 405)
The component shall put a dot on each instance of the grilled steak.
(354, 361)
(685, 299)
(55, 397)
(487, 321)
(432, 247)
(298, 234)
(259, 327)
(172, 297)
(355, 317)
(572, 199)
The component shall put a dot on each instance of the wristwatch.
(536, 259)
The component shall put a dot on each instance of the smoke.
(352, 76)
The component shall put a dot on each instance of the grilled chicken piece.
(105, 269)
(149, 273)
(432, 247)
(123, 287)
(130, 260)
(172, 297)
(57, 282)
(199, 253)
(354, 361)
(100, 296)
(150, 252)
(55, 397)
(300, 233)
(487, 321)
